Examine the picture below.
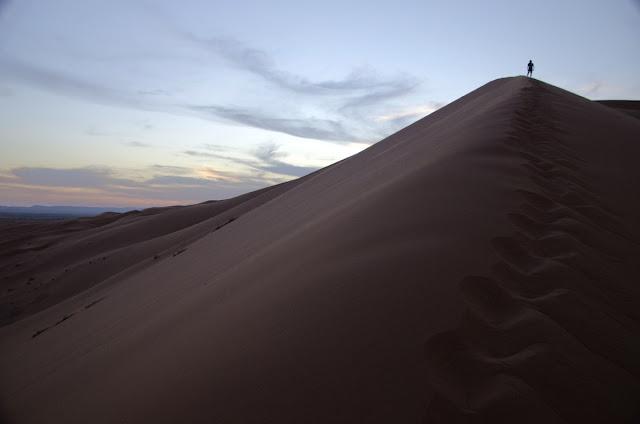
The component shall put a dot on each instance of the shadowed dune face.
(477, 266)
(630, 107)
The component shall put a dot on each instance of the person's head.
(530, 61)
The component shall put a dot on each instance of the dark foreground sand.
(480, 265)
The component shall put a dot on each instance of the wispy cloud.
(320, 129)
(270, 155)
(65, 83)
(201, 154)
(96, 185)
(344, 107)
(355, 95)
(175, 180)
(392, 89)
(210, 156)
(410, 112)
(261, 63)
(361, 89)
(268, 151)
(80, 177)
(591, 89)
(136, 144)
(215, 147)
(156, 92)
(171, 169)
(267, 157)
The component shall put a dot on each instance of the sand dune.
(44, 262)
(631, 107)
(477, 266)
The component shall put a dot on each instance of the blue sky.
(140, 102)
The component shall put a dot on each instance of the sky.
(149, 102)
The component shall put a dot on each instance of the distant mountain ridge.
(54, 211)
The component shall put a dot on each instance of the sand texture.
(478, 266)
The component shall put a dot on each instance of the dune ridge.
(553, 330)
(477, 266)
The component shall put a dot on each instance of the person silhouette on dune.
(530, 69)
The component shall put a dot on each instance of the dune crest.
(477, 266)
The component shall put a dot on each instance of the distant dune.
(40, 213)
(478, 266)
(631, 107)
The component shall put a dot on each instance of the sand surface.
(631, 107)
(478, 266)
